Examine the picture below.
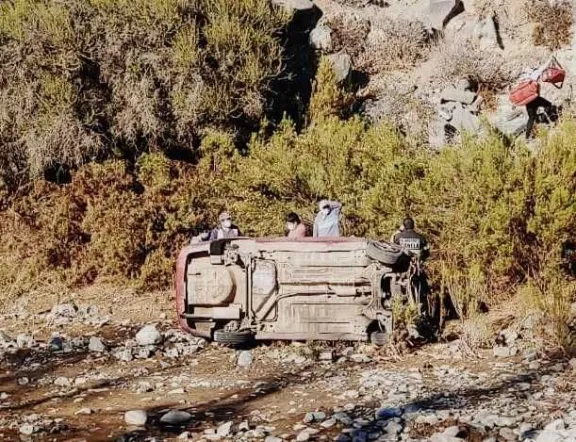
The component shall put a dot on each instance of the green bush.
(95, 79)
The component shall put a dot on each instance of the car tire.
(233, 338)
(387, 254)
(379, 338)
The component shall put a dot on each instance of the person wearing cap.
(327, 222)
(225, 228)
(295, 226)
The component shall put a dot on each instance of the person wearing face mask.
(327, 222)
(296, 228)
(225, 229)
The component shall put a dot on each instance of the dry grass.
(553, 23)
(395, 44)
(465, 60)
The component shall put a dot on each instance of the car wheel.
(233, 338)
(379, 338)
(387, 254)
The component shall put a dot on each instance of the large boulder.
(464, 120)
(486, 34)
(440, 12)
(508, 119)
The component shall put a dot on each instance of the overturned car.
(237, 290)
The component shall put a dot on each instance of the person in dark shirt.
(411, 240)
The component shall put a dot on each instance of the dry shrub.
(462, 59)
(553, 23)
(128, 77)
(395, 44)
(349, 33)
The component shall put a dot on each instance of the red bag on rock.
(554, 73)
(524, 92)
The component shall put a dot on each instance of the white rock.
(225, 429)
(501, 352)
(244, 359)
(62, 382)
(272, 439)
(149, 335)
(27, 429)
(25, 341)
(96, 345)
(298, 5)
(549, 436)
(321, 38)
(137, 418)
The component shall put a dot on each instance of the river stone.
(244, 359)
(96, 345)
(176, 417)
(149, 335)
(137, 418)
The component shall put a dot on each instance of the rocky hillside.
(436, 67)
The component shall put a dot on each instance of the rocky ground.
(73, 373)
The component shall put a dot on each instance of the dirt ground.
(82, 395)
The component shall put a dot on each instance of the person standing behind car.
(411, 240)
(296, 228)
(327, 222)
(225, 229)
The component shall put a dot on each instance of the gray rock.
(507, 434)
(501, 352)
(96, 345)
(145, 352)
(298, 5)
(225, 429)
(321, 38)
(508, 119)
(176, 417)
(137, 418)
(437, 133)
(464, 120)
(245, 359)
(572, 363)
(440, 437)
(530, 355)
(273, 439)
(326, 355)
(441, 11)
(342, 64)
(458, 95)
(549, 436)
(557, 425)
(534, 365)
(149, 335)
(305, 434)
(486, 34)
(329, 423)
(124, 354)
